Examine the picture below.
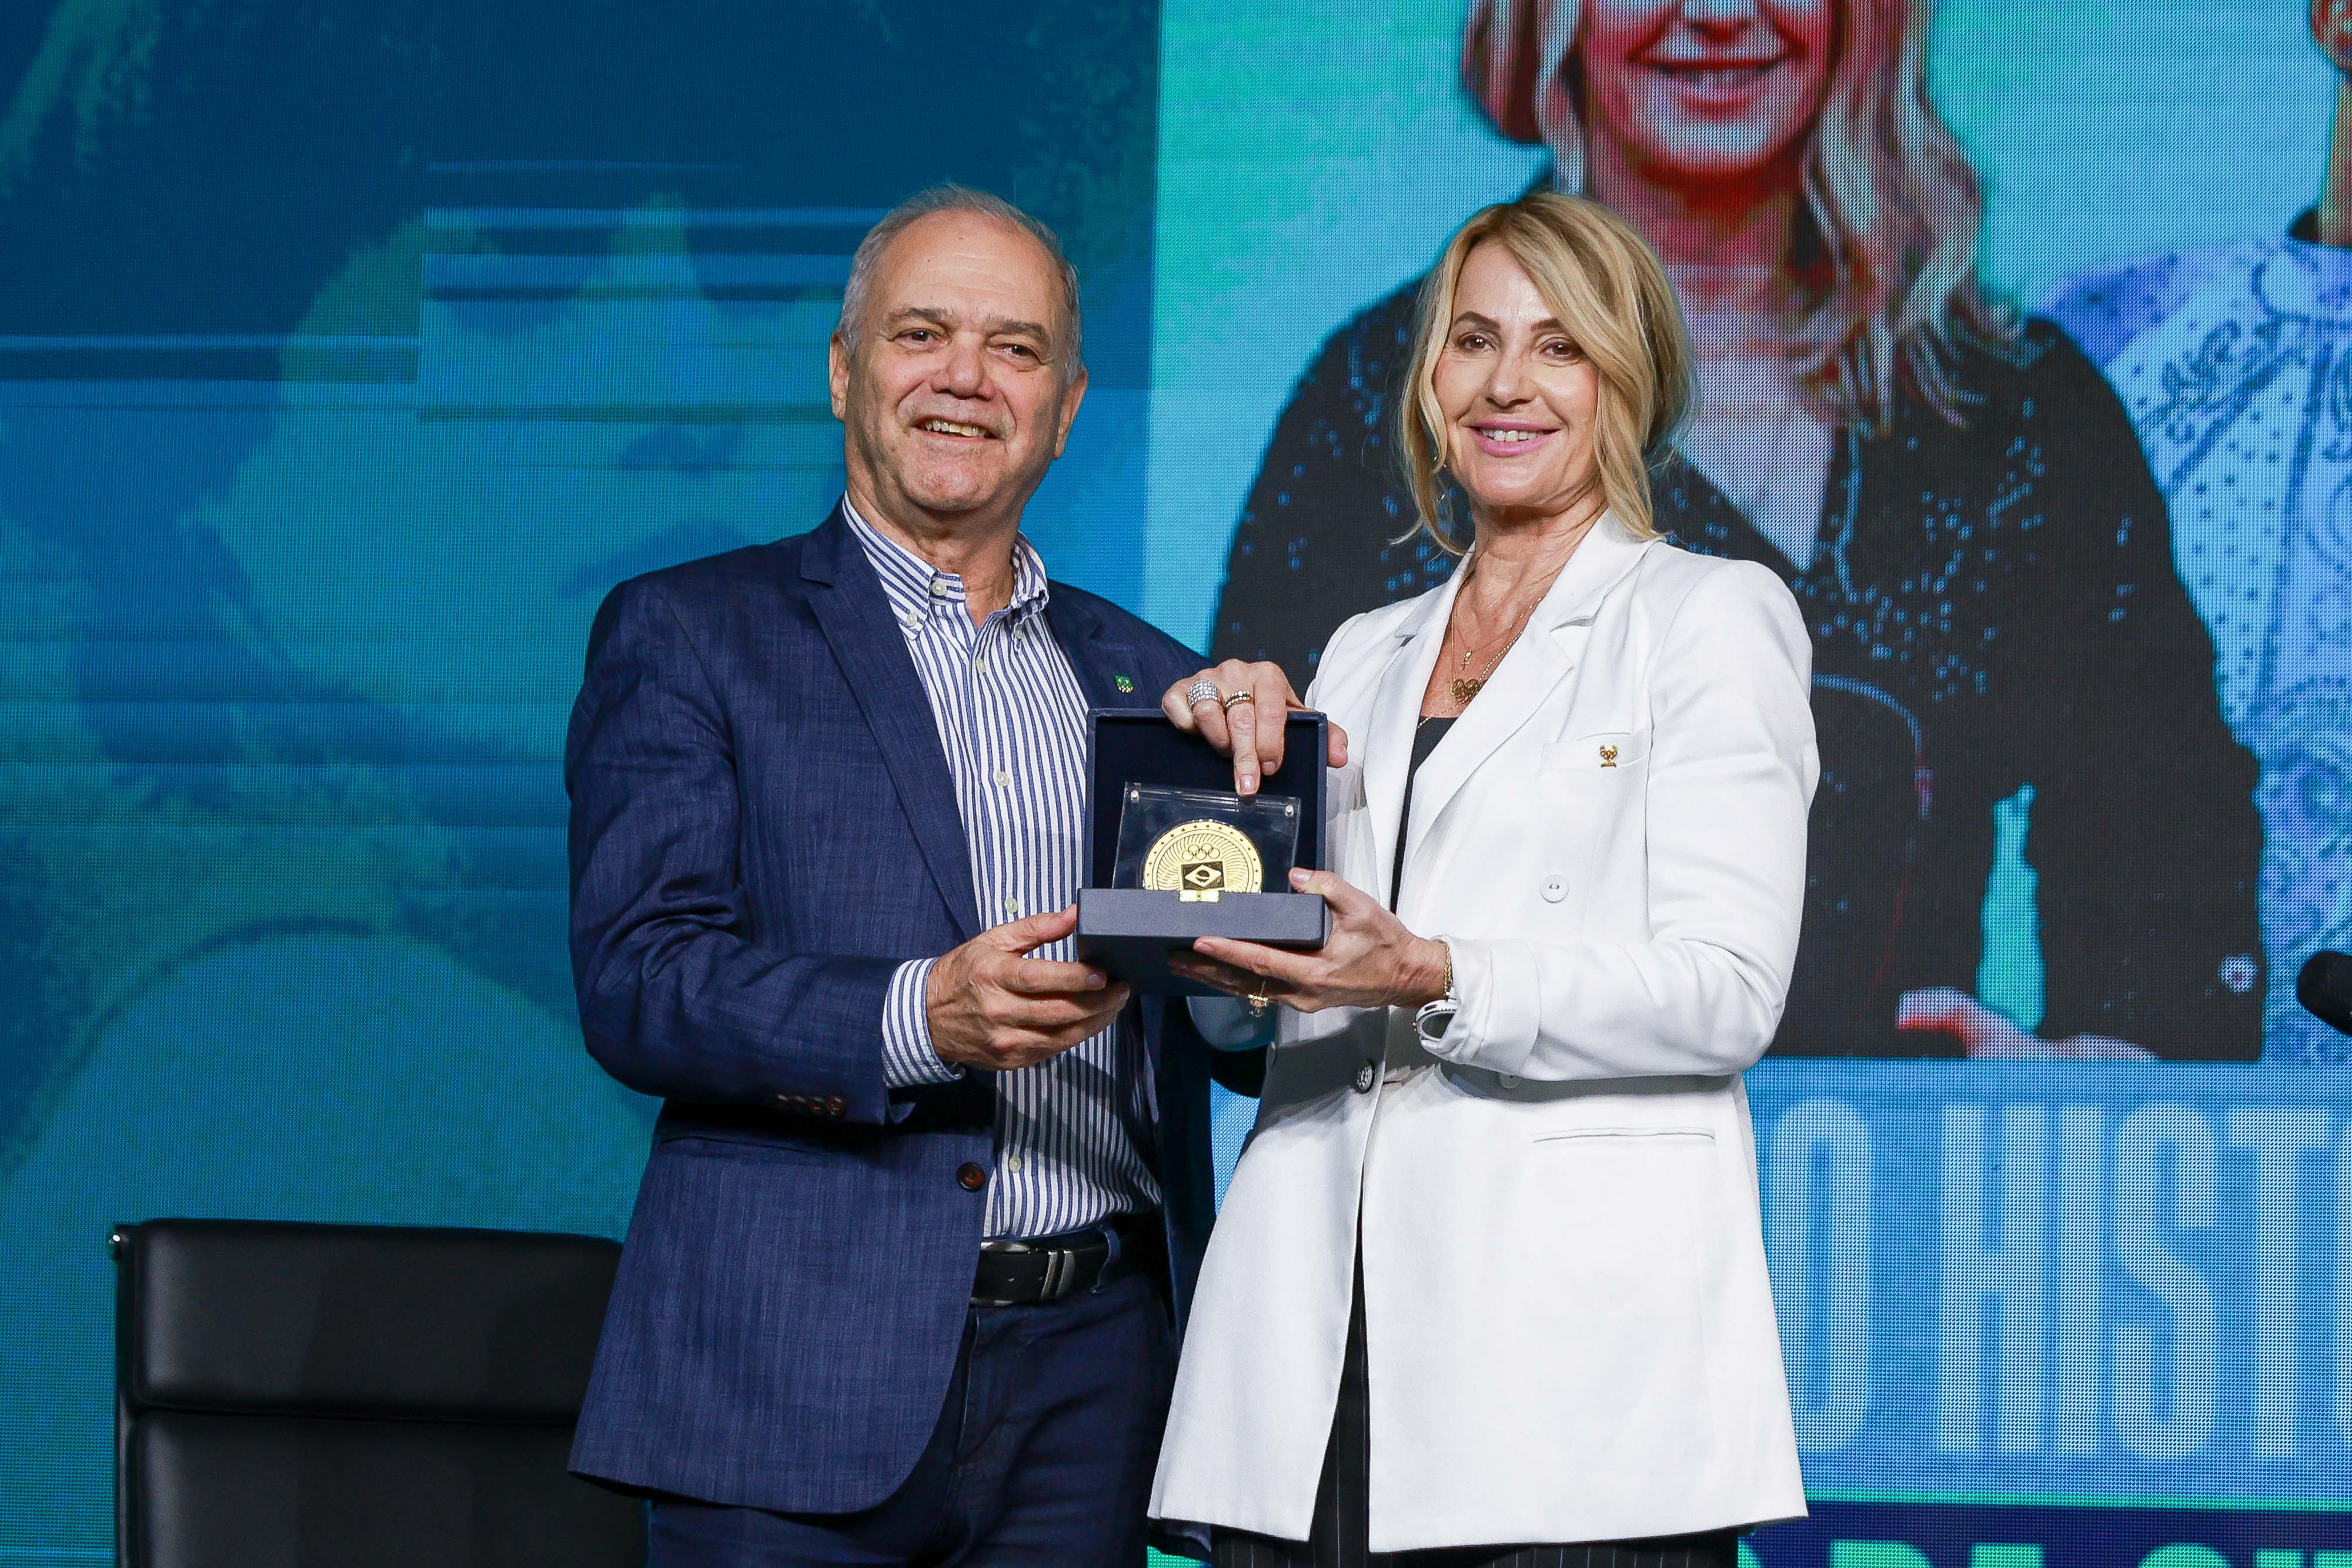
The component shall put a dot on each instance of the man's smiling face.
(953, 392)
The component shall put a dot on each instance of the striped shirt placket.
(1070, 1130)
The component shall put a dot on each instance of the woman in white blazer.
(1489, 1280)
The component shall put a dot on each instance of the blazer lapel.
(1099, 657)
(1535, 664)
(846, 597)
(1395, 711)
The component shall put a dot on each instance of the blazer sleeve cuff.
(909, 1061)
(1501, 995)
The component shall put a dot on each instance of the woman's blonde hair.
(1886, 237)
(1608, 291)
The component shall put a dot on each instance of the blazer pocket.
(1632, 1218)
(745, 1146)
(1569, 1134)
(1601, 753)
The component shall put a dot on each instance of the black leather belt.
(1050, 1267)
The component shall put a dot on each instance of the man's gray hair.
(959, 199)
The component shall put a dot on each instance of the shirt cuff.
(908, 1058)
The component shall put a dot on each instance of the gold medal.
(1201, 860)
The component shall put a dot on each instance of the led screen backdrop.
(353, 349)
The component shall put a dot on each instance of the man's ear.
(2331, 29)
(1070, 401)
(836, 367)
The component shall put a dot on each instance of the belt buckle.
(1061, 1272)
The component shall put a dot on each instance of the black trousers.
(1342, 1527)
(1041, 1457)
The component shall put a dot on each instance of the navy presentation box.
(1131, 932)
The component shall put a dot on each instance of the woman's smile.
(1712, 85)
(1704, 93)
(1510, 438)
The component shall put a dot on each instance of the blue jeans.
(1043, 1455)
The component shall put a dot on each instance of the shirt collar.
(915, 588)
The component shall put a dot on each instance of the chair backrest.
(291, 1396)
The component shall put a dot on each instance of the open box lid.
(1130, 746)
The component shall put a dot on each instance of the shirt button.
(1012, 904)
(1012, 1162)
(914, 619)
(971, 1178)
(938, 588)
(1554, 888)
(1004, 778)
(979, 664)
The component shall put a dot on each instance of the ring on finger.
(1202, 690)
(1237, 699)
(1258, 1000)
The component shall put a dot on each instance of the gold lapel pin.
(1608, 757)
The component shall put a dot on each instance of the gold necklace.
(1465, 686)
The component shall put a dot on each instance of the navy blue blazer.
(763, 827)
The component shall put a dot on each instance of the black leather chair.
(301, 1396)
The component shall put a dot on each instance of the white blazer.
(1570, 1324)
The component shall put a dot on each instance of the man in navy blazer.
(927, 1196)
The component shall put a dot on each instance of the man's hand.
(990, 1005)
(1251, 731)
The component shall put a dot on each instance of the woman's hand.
(1986, 1036)
(1245, 718)
(1370, 961)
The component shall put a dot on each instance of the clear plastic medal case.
(1190, 841)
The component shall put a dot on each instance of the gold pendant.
(1464, 690)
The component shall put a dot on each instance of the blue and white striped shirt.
(1072, 1129)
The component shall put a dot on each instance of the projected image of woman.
(1489, 1279)
(1956, 497)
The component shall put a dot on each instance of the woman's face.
(1704, 91)
(1517, 395)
